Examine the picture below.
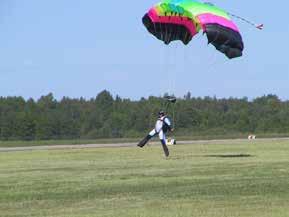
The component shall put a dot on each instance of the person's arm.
(168, 123)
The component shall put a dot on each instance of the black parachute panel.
(225, 40)
(167, 32)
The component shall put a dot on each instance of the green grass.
(7, 144)
(198, 136)
(218, 180)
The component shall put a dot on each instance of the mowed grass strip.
(11, 144)
(216, 180)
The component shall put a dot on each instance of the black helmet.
(161, 113)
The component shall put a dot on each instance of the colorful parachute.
(172, 20)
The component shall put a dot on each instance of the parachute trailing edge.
(172, 20)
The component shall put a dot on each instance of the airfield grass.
(10, 144)
(217, 180)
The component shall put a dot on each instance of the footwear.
(143, 142)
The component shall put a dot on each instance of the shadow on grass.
(211, 156)
(229, 155)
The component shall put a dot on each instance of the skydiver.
(162, 126)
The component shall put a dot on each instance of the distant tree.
(107, 117)
(188, 96)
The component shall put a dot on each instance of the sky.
(78, 48)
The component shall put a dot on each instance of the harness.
(165, 126)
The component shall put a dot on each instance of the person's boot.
(165, 148)
(143, 142)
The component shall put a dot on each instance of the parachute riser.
(170, 102)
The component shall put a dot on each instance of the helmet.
(161, 113)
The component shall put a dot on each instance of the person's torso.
(161, 124)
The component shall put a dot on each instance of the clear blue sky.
(78, 48)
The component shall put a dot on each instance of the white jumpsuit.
(159, 128)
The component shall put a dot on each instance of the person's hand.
(172, 129)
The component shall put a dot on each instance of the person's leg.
(143, 142)
(162, 137)
(153, 133)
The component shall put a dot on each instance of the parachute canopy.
(172, 20)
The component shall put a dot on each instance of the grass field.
(218, 180)
(64, 142)
(12, 143)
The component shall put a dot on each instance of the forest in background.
(106, 116)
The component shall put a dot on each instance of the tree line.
(105, 116)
